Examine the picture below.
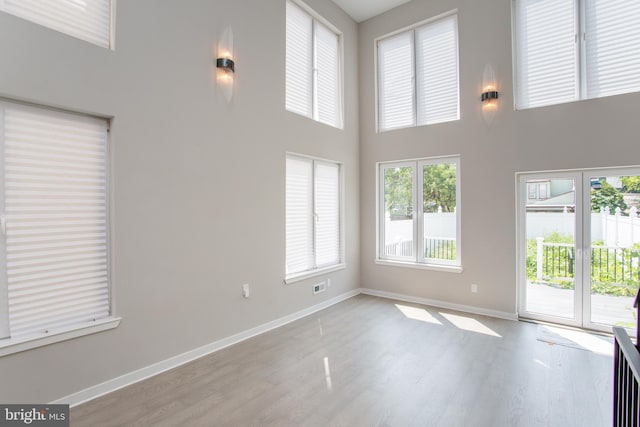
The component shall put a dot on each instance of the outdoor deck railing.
(608, 263)
(626, 373)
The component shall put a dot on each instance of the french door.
(579, 247)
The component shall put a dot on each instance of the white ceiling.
(361, 10)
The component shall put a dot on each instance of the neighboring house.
(551, 195)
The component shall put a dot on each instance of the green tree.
(607, 196)
(397, 190)
(631, 184)
(439, 187)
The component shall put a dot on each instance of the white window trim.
(376, 91)
(316, 17)
(13, 345)
(418, 261)
(300, 276)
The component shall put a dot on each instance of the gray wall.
(601, 132)
(198, 184)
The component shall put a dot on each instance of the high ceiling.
(361, 10)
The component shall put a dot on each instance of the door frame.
(582, 275)
(521, 239)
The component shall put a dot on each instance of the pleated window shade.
(88, 20)
(568, 50)
(54, 211)
(313, 215)
(418, 76)
(313, 85)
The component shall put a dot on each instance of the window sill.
(433, 267)
(11, 346)
(313, 273)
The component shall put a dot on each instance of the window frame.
(10, 345)
(413, 29)
(317, 19)
(581, 59)
(341, 264)
(417, 260)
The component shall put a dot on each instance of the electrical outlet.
(474, 288)
(245, 290)
(328, 283)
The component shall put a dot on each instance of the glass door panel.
(550, 226)
(613, 268)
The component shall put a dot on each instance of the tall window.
(53, 212)
(418, 75)
(567, 50)
(419, 205)
(89, 20)
(313, 70)
(313, 217)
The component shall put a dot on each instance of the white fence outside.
(613, 228)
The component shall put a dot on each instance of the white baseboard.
(441, 304)
(173, 362)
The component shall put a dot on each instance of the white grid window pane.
(437, 72)
(299, 215)
(395, 82)
(299, 61)
(612, 47)
(327, 202)
(89, 20)
(546, 52)
(55, 203)
(327, 63)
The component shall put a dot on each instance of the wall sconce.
(489, 95)
(225, 65)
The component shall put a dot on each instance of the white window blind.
(55, 210)
(418, 76)
(299, 61)
(327, 66)
(568, 50)
(612, 38)
(313, 68)
(546, 52)
(313, 215)
(395, 80)
(89, 20)
(299, 215)
(327, 213)
(437, 71)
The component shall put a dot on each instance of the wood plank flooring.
(374, 362)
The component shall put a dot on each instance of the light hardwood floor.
(374, 362)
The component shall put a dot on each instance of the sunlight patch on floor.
(416, 313)
(469, 324)
(577, 339)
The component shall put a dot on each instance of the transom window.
(313, 66)
(89, 20)
(568, 50)
(418, 75)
